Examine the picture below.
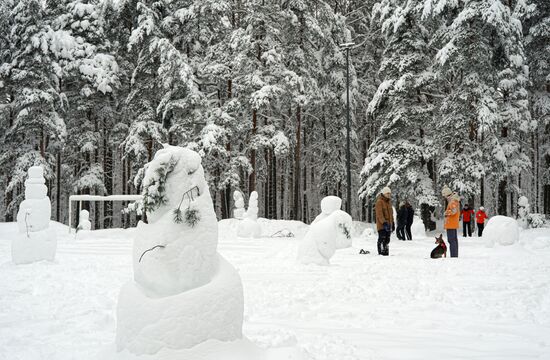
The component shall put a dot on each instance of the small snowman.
(35, 241)
(238, 212)
(249, 226)
(84, 222)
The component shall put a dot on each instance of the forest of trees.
(450, 92)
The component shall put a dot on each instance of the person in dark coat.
(410, 219)
(401, 221)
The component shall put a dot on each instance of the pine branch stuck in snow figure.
(155, 187)
(192, 216)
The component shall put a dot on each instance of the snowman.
(184, 292)
(249, 226)
(84, 222)
(35, 241)
(238, 212)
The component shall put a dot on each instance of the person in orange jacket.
(480, 220)
(452, 219)
(467, 218)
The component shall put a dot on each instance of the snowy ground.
(487, 304)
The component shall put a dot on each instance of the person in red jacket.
(480, 220)
(467, 217)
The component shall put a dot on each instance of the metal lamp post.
(348, 47)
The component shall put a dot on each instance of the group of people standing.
(405, 218)
(468, 215)
(385, 224)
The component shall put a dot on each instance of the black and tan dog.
(441, 248)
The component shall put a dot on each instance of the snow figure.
(501, 230)
(36, 240)
(252, 211)
(249, 226)
(523, 212)
(84, 221)
(418, 229)
(184, 292)
(324, 237)
(331, 205)
(238, 212)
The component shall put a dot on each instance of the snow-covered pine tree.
(30, 76)
(400, 155)
(90, 76)
(537, 41)
(479, 49)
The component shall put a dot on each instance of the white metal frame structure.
(81, 198)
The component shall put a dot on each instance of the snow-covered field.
(491, 303)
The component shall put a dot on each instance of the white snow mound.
(417, 229)
(501, 230)
(213, 311)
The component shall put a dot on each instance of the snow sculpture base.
(39, 245)
(501, 230)
(213, 311)
(319, 244)
(249, 228)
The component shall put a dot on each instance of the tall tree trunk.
(502, 198)
(58, 187)
(297, 161)
(252, 176)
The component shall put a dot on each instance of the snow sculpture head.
(176, 251)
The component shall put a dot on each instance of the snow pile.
(501, 230)
(369, 234)
(417, 229)
(84, 221)
(35, 240)
(330, 205)
(184, 292)
(238, 212)
(526, 219)
(249, 226)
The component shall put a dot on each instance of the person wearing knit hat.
(452, 219)
(384, 220)
(481, 215)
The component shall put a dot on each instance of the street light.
(348, 47)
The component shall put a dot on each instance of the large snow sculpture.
(184, 292)
(326, 234)
(331, 205)
(249, 226)
(36, 240)
(238, 212)
(501, 230)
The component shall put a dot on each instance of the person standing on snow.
(410, 219)
(452, 219)
(401, 221)
(467, 217)
(480, 220)
(384, 220)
